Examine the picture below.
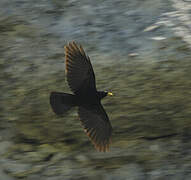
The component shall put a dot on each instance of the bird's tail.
(61, 102)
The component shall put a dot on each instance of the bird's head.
(103, 94)
(108, 93)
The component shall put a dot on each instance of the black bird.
(81, 80)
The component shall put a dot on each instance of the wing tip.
(100, 147)
(74, 46)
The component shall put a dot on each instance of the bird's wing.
(96, 125)
(79, 71)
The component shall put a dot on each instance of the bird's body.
(81, 79)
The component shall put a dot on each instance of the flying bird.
(81, 80)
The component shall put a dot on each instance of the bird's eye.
(110, 93)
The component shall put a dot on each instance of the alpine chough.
(81, 80)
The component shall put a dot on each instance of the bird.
(81, 80)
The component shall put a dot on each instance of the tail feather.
(61, 102)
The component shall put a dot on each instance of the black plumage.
(81, 80)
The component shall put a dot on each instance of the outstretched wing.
(79, 71)
(96, 125)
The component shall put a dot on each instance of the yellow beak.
(110, 94)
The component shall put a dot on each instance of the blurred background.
(140, 50)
